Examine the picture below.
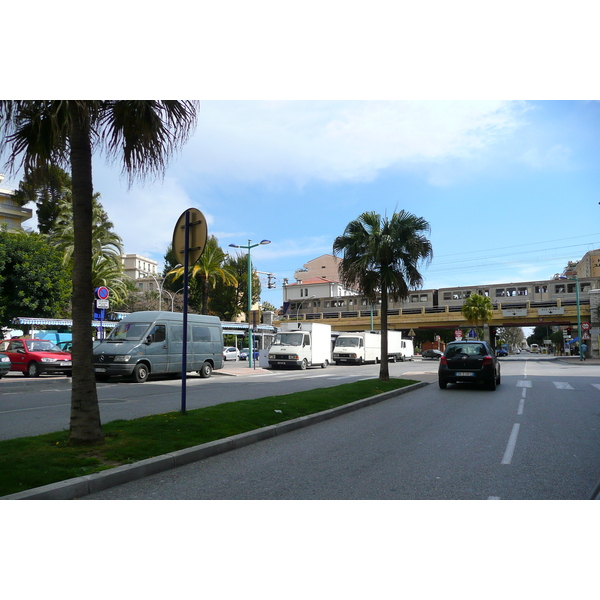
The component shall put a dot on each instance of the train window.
(511, 291)
(484, 293)
(499, 292)
(571, 288)
(585, 287)
(559, 289)
(522, 291)
(447, 295)
(541, 289)
(414, 298)
(424, 298)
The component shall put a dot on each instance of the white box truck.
(357, 348)
(399, 348)
(365, 346)
(301, 345)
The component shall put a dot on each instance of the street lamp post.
(250, 340)
(576, 280)
(158, 285)
(300, 305)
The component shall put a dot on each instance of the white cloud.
(339, 141)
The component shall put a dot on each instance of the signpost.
(102, 303)
(189, 239)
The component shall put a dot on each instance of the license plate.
(461, 374)
(280, 362)
(99, 370)
(66, 363)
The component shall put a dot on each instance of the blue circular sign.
(102, 293)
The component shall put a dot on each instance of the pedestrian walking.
(583, 350)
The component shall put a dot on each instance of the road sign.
(585, 326)
(102, 303)
(198, 233)
(101, 292)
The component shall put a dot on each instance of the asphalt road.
(536, 437)
(32, 406)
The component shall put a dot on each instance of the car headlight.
(49, 360)
(5, 359)
(122, 358)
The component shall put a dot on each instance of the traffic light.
(271, 282)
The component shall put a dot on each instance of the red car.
(34, 357)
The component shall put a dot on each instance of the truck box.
(301, 345)
(357, 348)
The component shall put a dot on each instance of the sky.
(510, 188)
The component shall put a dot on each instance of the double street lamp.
(250, 340)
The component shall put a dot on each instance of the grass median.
(34, 461)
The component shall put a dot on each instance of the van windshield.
(129, 332)
(346, 342)
(288, 339)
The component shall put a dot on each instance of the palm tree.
(381, 256)
(208, 269)
(477, 309)
(144, 133)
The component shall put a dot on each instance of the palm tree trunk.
(205, 296)
(85, 426)
(384, 372)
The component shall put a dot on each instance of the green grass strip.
(34, 461)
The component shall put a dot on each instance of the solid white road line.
(510, 448)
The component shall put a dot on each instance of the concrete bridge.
(527, 314)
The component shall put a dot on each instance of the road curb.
(77, 487)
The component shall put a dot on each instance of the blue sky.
(510, 189)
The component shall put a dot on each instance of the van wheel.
(206, 370)
(304, 364)
(140, 373)
(324, 365)
(360, 361)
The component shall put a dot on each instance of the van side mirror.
(149, 340)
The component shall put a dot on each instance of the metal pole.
(185, 312)
(578, 318)
(250, 339)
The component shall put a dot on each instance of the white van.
(151, 342)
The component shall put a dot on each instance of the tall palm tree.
(144, 134)
(208, 269)
(382, 256)
(478, 310)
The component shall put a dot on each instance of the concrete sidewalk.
(89, 484)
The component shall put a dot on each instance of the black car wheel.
(442, 384)
(33, 369)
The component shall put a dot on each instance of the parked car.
(230, 353)
(432, 353)
(244, 354)
(469, 362)
(501, 352)
(4, 365)
(33, 357)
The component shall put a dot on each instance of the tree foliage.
(33, 282)
(477, 309)
(382, 256)
(142, 134)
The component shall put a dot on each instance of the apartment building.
(12, 214)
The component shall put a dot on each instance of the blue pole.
(185, 312)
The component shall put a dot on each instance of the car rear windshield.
(468, 349)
